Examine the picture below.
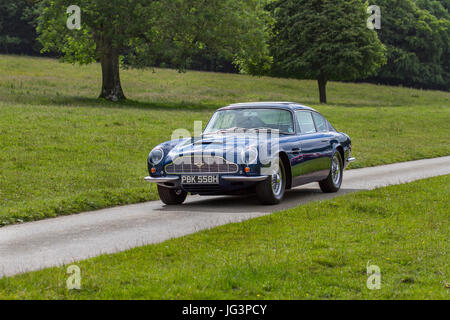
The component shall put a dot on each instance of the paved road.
(41, 244)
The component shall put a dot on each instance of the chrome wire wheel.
(277, 182)
(336, 171)
(271, 191)
(333, 182)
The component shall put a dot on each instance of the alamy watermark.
(374, 21)
(74, 20)
(74, 280)
(374, 277)
(234, 145)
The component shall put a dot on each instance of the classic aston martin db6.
(264, 148)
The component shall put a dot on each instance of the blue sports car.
(264, 148)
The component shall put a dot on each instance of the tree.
(17, 34)
(135, 32)
(324, 40)
(437, 8)
(417, 42)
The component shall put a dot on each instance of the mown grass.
(62, 151)
(317, 251)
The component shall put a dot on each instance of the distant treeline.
(416, 34)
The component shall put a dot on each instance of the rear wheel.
(171, 196)
(271, 191)
(333, 183)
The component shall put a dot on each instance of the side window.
(305, 122)
(321, 124)
(330, 127)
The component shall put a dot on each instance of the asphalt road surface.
(36, 245)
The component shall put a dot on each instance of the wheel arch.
(287, 165)
(340, 149)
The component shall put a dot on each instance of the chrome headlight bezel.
(156, 156)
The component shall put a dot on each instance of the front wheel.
(333, 183)
(271, 191)
(171, 196)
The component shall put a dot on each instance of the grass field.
(317, 251)
(62, 151)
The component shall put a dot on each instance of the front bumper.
(228, 184)
(176, 179)
(162, 180)
(349, 160)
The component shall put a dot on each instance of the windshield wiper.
(234, 129)
(263, 128)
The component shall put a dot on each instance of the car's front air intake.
(201, 164)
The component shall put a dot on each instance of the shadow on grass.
(83, 101)
(78, 101)
(365, 105)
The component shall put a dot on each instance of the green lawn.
(316, 251)
(62, 151)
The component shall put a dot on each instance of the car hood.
(218, 144)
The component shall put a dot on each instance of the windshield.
(238, 119)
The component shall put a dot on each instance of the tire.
(171, 196)
(269, 192)
(333, 182)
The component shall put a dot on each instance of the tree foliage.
(418, 43)
(309, 38)
(141, 31)
(17, 30)
(324, 40)
(440, 9)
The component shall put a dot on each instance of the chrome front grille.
(201, 164)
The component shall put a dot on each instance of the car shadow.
(250, 203)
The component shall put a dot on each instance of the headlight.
(156, 156)
(249, 155)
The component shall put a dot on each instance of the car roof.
(275, 105)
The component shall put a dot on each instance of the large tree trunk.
(111, 87)
(322, 89)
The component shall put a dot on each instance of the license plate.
(199, 179)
